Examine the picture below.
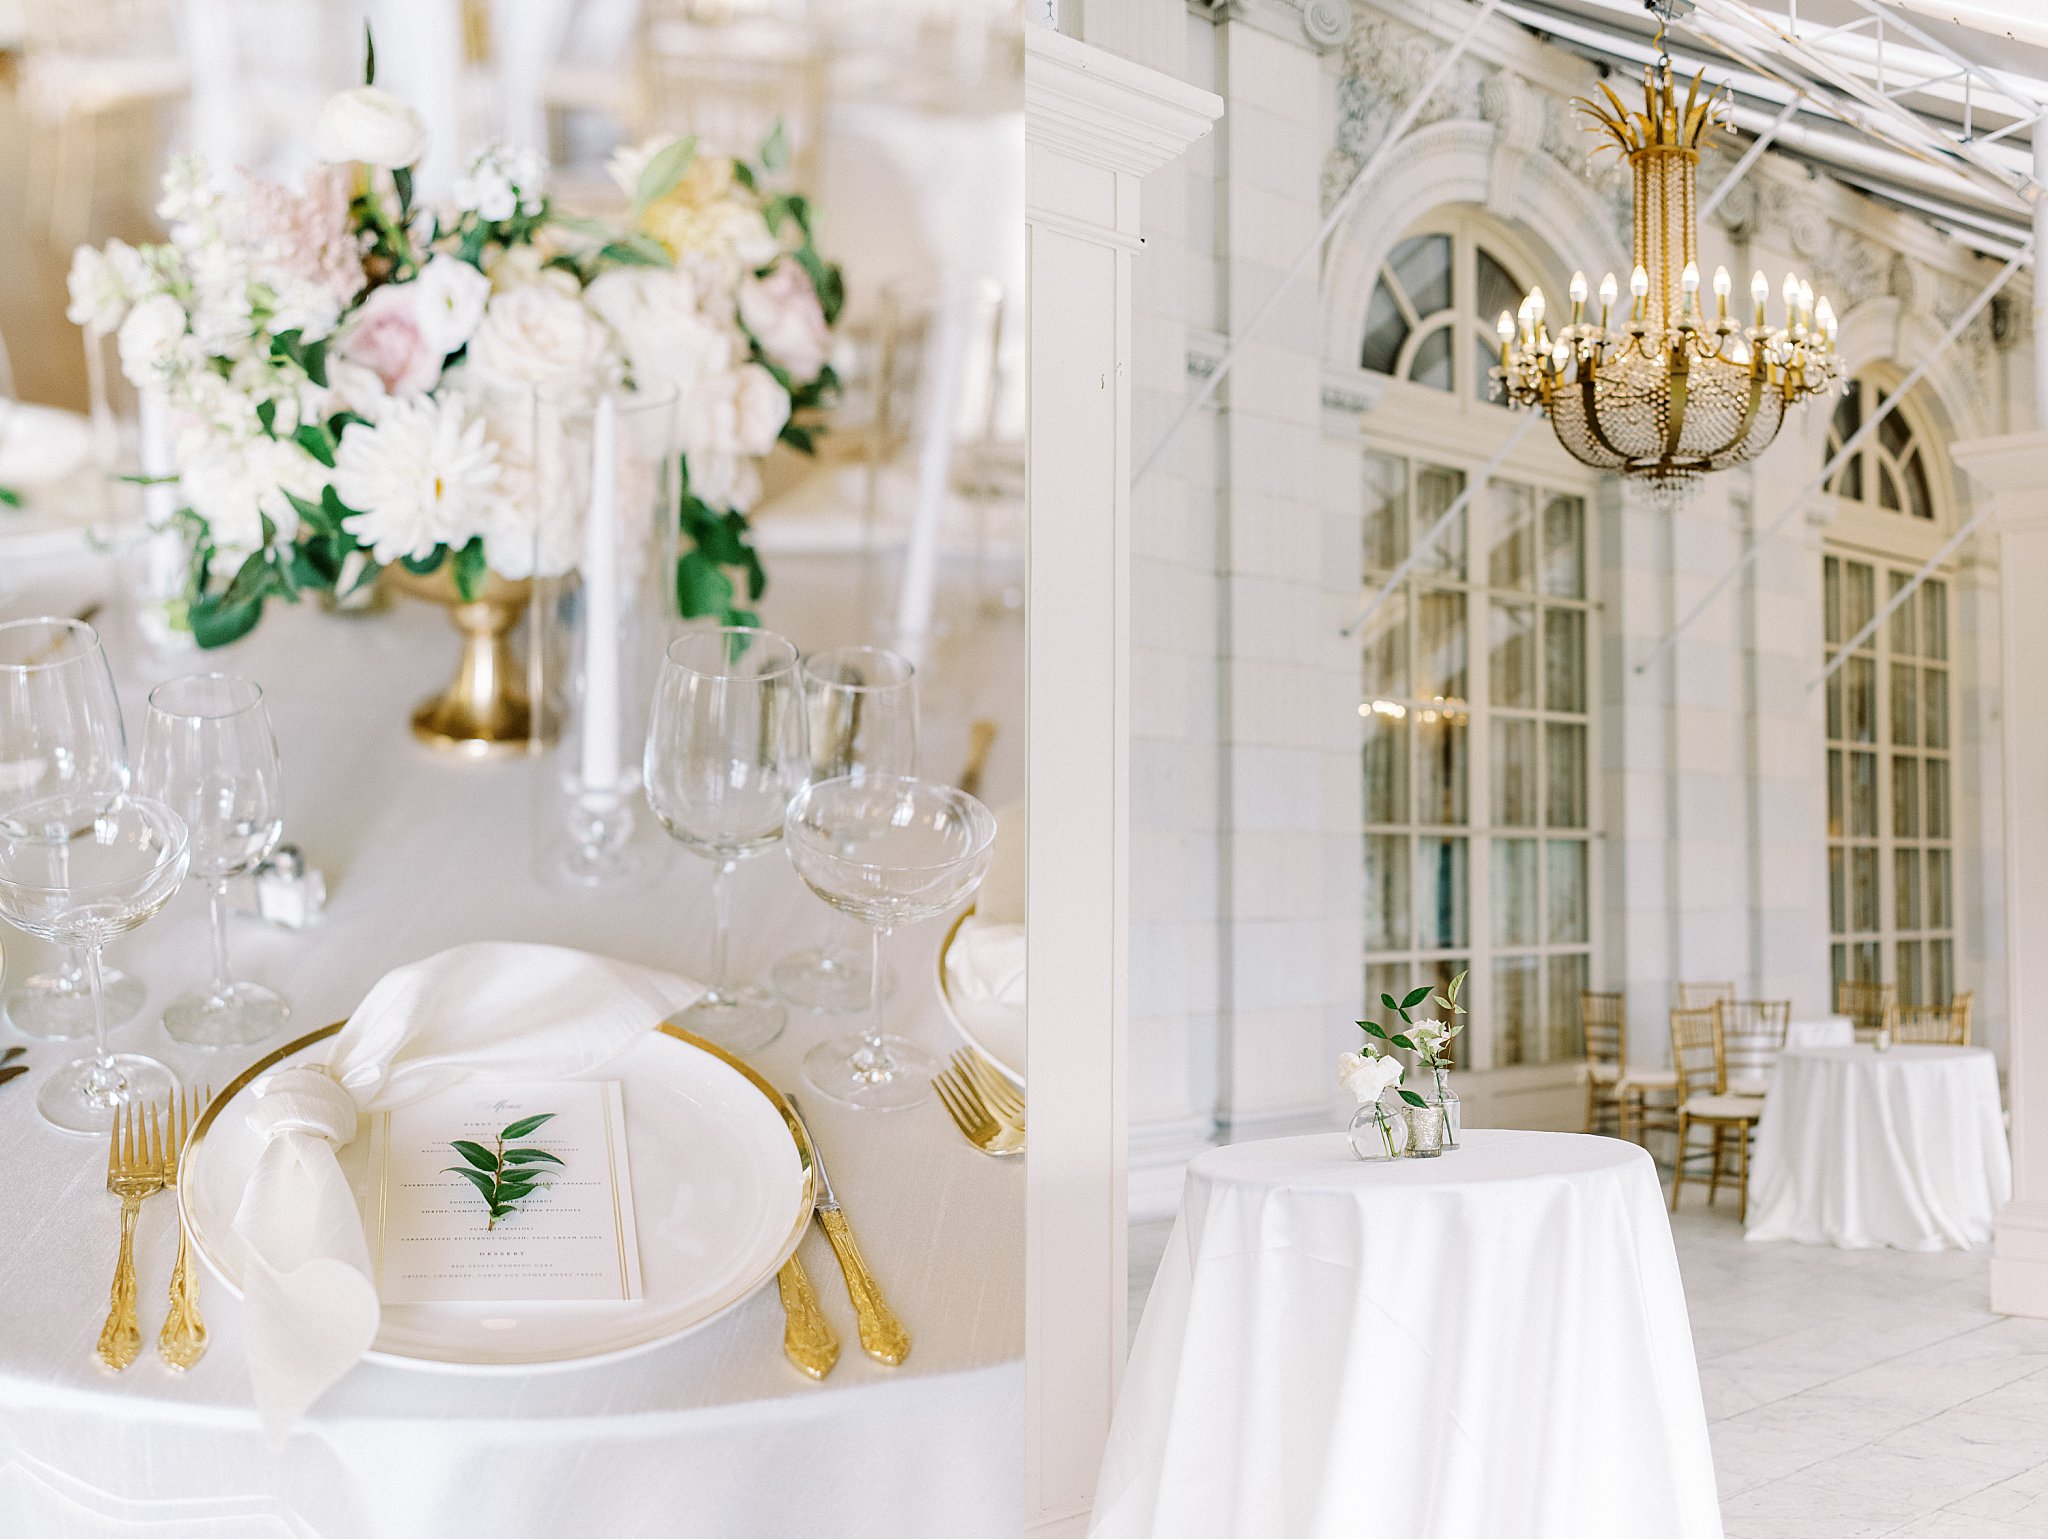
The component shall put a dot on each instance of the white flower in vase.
(1367, 1075)
(100, 287)
(723, 480)
(449, 301)
(234, 484)
(154, 344)
(783, 314)
(424, 474)
(370, 126)
(536, 332)
(500, 181)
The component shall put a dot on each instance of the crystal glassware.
(888, 850)
(209, 754)
(864, 721)
(80, 860)
(57, 1004)
(727, 748)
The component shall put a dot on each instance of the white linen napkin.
(493, 1010)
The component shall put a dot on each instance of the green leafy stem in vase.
(1428, 1040)
(504, 1176)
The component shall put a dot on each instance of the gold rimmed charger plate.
(718, 1213)
(955, 1014)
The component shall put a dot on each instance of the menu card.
(503, 1193)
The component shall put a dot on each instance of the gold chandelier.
(1671, 393)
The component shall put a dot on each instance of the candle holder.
(604, 483)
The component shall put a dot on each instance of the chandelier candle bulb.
(1609, 292)
(1760, 291)
(1578, 298)
(1505, 328)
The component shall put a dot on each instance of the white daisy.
(425, 474)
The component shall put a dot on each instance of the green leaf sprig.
(504, 1176)
(1432, 1046)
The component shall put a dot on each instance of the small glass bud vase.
(1378, 1133)
(1884, 1040)
(1453, 1108)
(1425, 1131)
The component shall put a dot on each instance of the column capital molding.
(1098, 108)
(2013, 468)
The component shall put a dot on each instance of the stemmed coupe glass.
(727, 748)
(81, 860)
(208, 753)
(888, 850)
(863, 711)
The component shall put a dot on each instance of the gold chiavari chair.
(1704, 996)
(1947, 1025)
(1704, 1102)
(1870, 1005)
(1603, 1027)
(1752, 1036)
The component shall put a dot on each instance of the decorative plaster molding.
(1104, 110)
(1327, 23)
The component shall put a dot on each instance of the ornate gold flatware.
(182, 1342)
(971, 1115)
(135, 1169)
(882, 1335)
(1001, 1097)
(808, 1339)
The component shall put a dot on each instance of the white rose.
(450, 298)
(534, 333)
(149, 340)
(783, 313)
(760, 410)
(100, 294)
(1367, 1076)
(667, 339)
(370, 126)
(723, 480)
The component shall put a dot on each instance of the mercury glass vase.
(1425, 1131)
(1377, 1133)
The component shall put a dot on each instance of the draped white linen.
(713, 1435)
(1488, 1344)
(1858, 1148)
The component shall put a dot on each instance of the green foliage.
(1429, 1040)
(710, 574)
(661, 173)
(470, 570)
(502, 1176)
(9, 497)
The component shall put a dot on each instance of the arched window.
(1889, 472)
(1432, 313)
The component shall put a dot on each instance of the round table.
(708, 1436)
(1861, 1148)
(1491, 1343)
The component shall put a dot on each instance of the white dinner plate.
(40, 445)
(995, 1033)
(722, 1190)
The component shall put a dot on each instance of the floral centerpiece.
(1369, 1074)
(346, 371)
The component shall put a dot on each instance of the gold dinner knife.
(808, 1339)
(882, 1335)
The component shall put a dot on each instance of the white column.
(2014, 469)
(1095, 124)
(2040, 288)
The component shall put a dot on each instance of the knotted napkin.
(493, 1010)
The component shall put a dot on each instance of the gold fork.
(1001, 1097)
(970, 1114)
(135, 1168)
(182, 1341)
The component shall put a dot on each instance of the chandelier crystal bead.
(1672, 394)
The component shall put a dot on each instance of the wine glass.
(863, 711)
(888, 850)
(56, 1004)
(80, 860)
(726, 749)
(209, 754)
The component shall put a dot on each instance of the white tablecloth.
(1859, 1148)
(1826, 1031)
(1490, 1345)
(715, 1435)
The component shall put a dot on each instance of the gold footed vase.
(484, 713)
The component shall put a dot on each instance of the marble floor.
(1850, 1394)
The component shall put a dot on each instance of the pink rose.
(385, 337)
(783, 313)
